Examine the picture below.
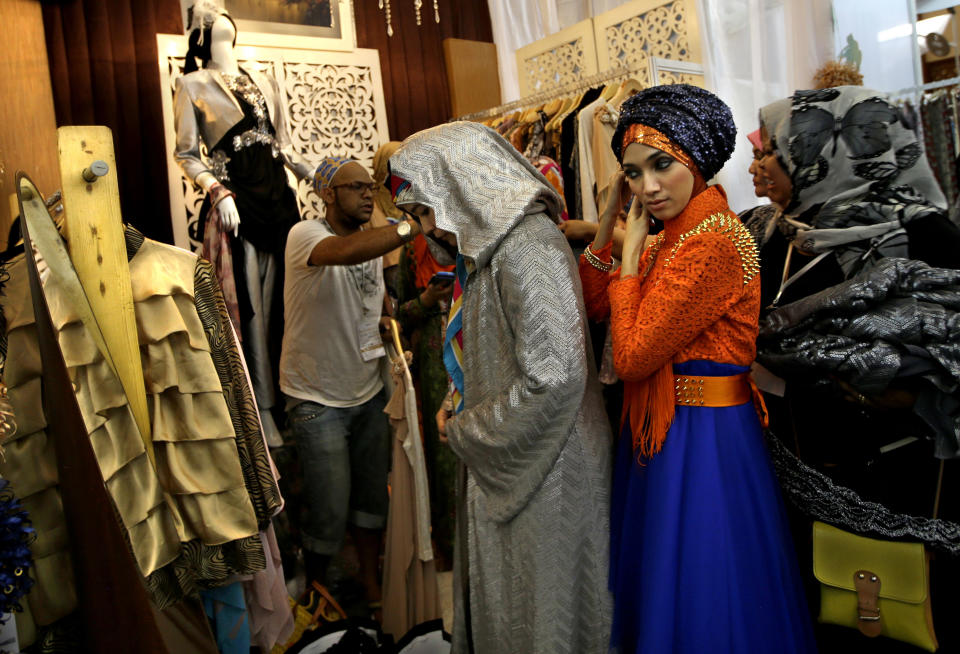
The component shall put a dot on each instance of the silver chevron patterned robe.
(533, 508)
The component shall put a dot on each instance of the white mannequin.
(224, 59)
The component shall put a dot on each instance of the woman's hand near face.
(611, 212)
(638, 227)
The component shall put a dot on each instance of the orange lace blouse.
(697, 296)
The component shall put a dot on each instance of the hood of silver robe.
(478, 185)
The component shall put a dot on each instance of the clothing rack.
(917, 90)
(615, 75)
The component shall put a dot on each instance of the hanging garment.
(605, 162)
(29, 461)
(424, 327)
(268, 603)
(551, 170)
(566, 156)
(193, 522)
(410, 594)
(227, 612)
(588, 179)
(939, 142)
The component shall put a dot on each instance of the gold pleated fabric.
(193, 435)
(190, 521)
(31, 464)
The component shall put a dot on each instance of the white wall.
(888, 64)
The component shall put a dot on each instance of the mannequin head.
(223, 37)
(210, 39)
(349, 197)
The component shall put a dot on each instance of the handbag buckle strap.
(867, 585)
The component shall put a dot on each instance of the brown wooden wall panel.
(472, 74)
(28, 129)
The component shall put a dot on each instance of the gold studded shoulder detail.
(733, 229)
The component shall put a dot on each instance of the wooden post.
(95, 236)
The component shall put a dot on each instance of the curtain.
(103, 67)
(517, 23)
(415, 85)
(755, 52)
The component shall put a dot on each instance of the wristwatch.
(404, 231)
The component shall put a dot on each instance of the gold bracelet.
(595, 261)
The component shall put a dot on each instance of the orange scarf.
(650, 404)
(426, 265)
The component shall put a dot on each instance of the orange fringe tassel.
(649, 406)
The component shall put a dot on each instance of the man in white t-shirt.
(333, 296)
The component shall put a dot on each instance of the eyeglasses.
(358, 187)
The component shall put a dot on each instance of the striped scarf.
(453, 341)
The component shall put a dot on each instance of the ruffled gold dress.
(193, 520)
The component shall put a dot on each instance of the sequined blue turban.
(693, 118)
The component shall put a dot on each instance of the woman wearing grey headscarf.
(531, 551)
(863, 318)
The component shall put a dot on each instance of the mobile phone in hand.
(442, 278)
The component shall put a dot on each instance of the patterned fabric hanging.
(16, 534)
(453, 340)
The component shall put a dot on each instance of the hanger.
(628, 88)
(552, 107)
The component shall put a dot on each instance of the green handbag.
(880, 587)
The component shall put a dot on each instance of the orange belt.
(733, 390)
(713, 391)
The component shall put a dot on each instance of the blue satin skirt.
(701, 555)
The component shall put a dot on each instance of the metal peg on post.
(95, 171)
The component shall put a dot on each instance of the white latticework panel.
(629, 35)
(557, 67)
(681, 78)
(332, 112)
(333, 101)
(558, 60)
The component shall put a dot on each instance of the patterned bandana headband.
(645, 135)
(327, 170)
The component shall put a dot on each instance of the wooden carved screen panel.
(627, 37)
(558, 60)
(334, 105)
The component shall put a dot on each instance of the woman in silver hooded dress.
(533, 503)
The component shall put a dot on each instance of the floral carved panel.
(658, 32)
(557, 67)
(564, 58)
(681, 78)
(332, 112)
